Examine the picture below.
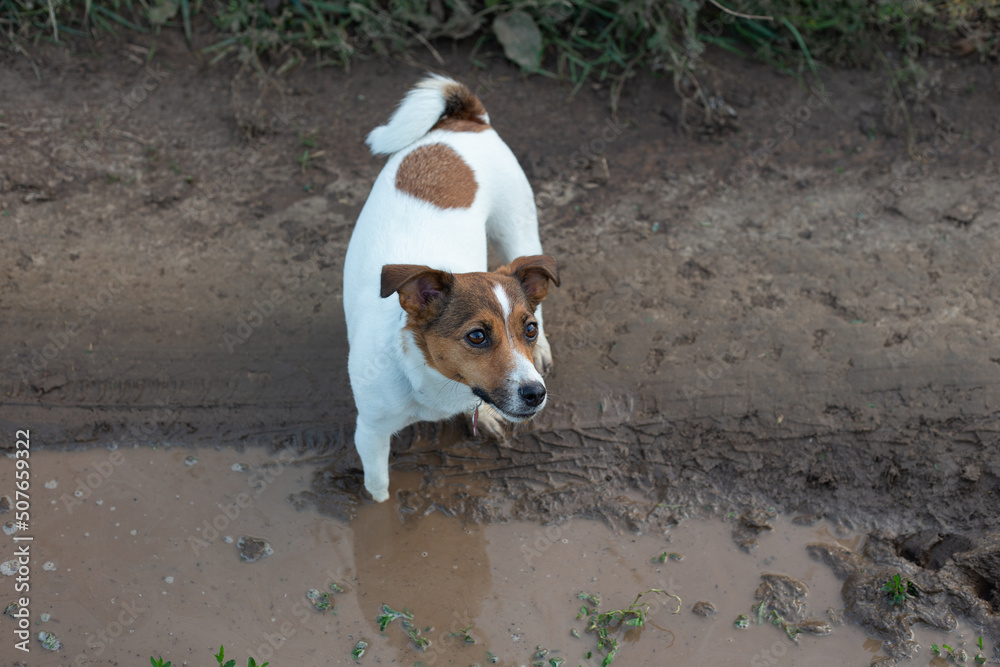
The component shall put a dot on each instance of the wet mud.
(148, 560)
(785, 325)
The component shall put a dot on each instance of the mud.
(797, 317)
(148, 561)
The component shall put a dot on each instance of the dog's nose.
(533, 394)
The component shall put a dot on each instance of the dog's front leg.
(541, 355)
(373, 447)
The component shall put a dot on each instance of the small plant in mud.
(667, 555)
(603, 624)
(541, 658)
(389, 615)
(772, 615)
(900, 590)
(307, 157)
(464, 634)
(959, 655)
(220, 657)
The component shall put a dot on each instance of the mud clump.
(703, 608)
(782, 601)
(253, 548)
(783, 594)
(751, 524)
(887, 593)
(981, 566)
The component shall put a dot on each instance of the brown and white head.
(479, 329)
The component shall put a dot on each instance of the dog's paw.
(491, 423)
(379, 492)
(542, 354)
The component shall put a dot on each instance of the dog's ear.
(534, 273)
(419, 287)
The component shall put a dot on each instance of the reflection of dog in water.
(456, 337)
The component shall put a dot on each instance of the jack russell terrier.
(457, 338)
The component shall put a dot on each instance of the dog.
(458, 337)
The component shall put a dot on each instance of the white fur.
(416, 115)
(392, 384)
(524, 371)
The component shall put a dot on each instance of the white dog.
(457, 337)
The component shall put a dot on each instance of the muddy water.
(140, 554)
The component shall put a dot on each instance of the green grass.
(220, 657)
(899, 589)
(573, 40)
(609, 625)
(389, 615)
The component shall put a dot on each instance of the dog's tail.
(433, 99)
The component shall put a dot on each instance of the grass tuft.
(573, 40)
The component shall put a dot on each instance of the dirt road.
(792, 311)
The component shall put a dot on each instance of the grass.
(573, 40)
(606, 624)
(958, 655)
(764, 613)
(389, 615)
(668, 555)
(220, 658)
(464, 634)
(899, 590)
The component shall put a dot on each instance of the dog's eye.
(531, 330)
(477, 338)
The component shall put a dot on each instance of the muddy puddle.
(136, 552)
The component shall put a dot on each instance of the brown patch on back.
(438, 175)
(463, 111)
